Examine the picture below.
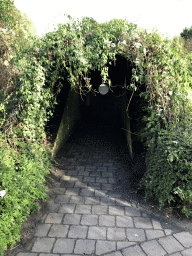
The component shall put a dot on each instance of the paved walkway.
(90, 211)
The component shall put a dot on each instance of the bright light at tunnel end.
(103, 89)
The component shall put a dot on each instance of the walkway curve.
(90, 211)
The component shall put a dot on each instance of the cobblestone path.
(91, 211)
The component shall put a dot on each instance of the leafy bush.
(22, 175)
(169, 171)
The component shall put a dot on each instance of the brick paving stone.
(77, 232)
(89, 179)
(72, 219)
(122, 203)
(107, 186)
(72, 192)
(43, 244)
(185, 238)
(102, 169)
(84, 209)
(80, 184)
(92, 200)
(107, 201)
(153, 248)
(97, 233)
(99, 209)
(58, 230)
(95, 174)
(54, 218)
(141, 222)
(67, 208)
(153, 234)
(106, 220)
(133, 251)
(121, 245)
(26, 254)
(83, 173)
(94, 185)
(77, 200)
(87, 192)
(42, 229)
(62, 199)
(107, 174)
(90, 220)
(58, 191)
(187, 252)
(116, 210)
(131, 211)
(168, 232)
(67, 184)
(135, 235)
(101, 180)
(45, 254)
(170, 244)
(104, 247)
(124, 221)
(114, 254)
(80, 168)
(101, 193)
(156, 224)
(64, 245)
(116, 234)
(84, 246)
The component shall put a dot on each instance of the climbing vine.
(72, 52)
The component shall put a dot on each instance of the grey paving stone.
(116, 234)
(168, 232)
(153, 248)
(77, 200)
(170, 244)
(72, 192)
(77, 232)
(83, 173)
(84, 246)
(107, 174)
(64, 245)
(92, 200)
(80, 184)
(80, 168)
(114, 254)
(122, 203)
(97, 233)
(141, 222)
(89, 179)
(26, 254)
(58, 230)
(116, 210)
(104, 247)
(107, 186)
(54, 218)
(187, 252)
(101, 193)
(131, 211)
(67, 208)
(156, 224)
(67, 184)
(133, 251)
(185, 238)
(94, 185)
(153, 234)
(106, 220)
(43, 244)
(62, 199)
(58, 191)
(108, 201)
(135, 235)
(101, 180)
(72, 219)
(42, 229)
(121, 245)
(84, 209)
(91, 220)
(99, 209)
(176, 254)
(111, 180)
(45, 254)
(87, 192)
(102, 169)
(124, 221)
(94, 174)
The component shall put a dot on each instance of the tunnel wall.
(70, 120)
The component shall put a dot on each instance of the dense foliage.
(72, 52)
